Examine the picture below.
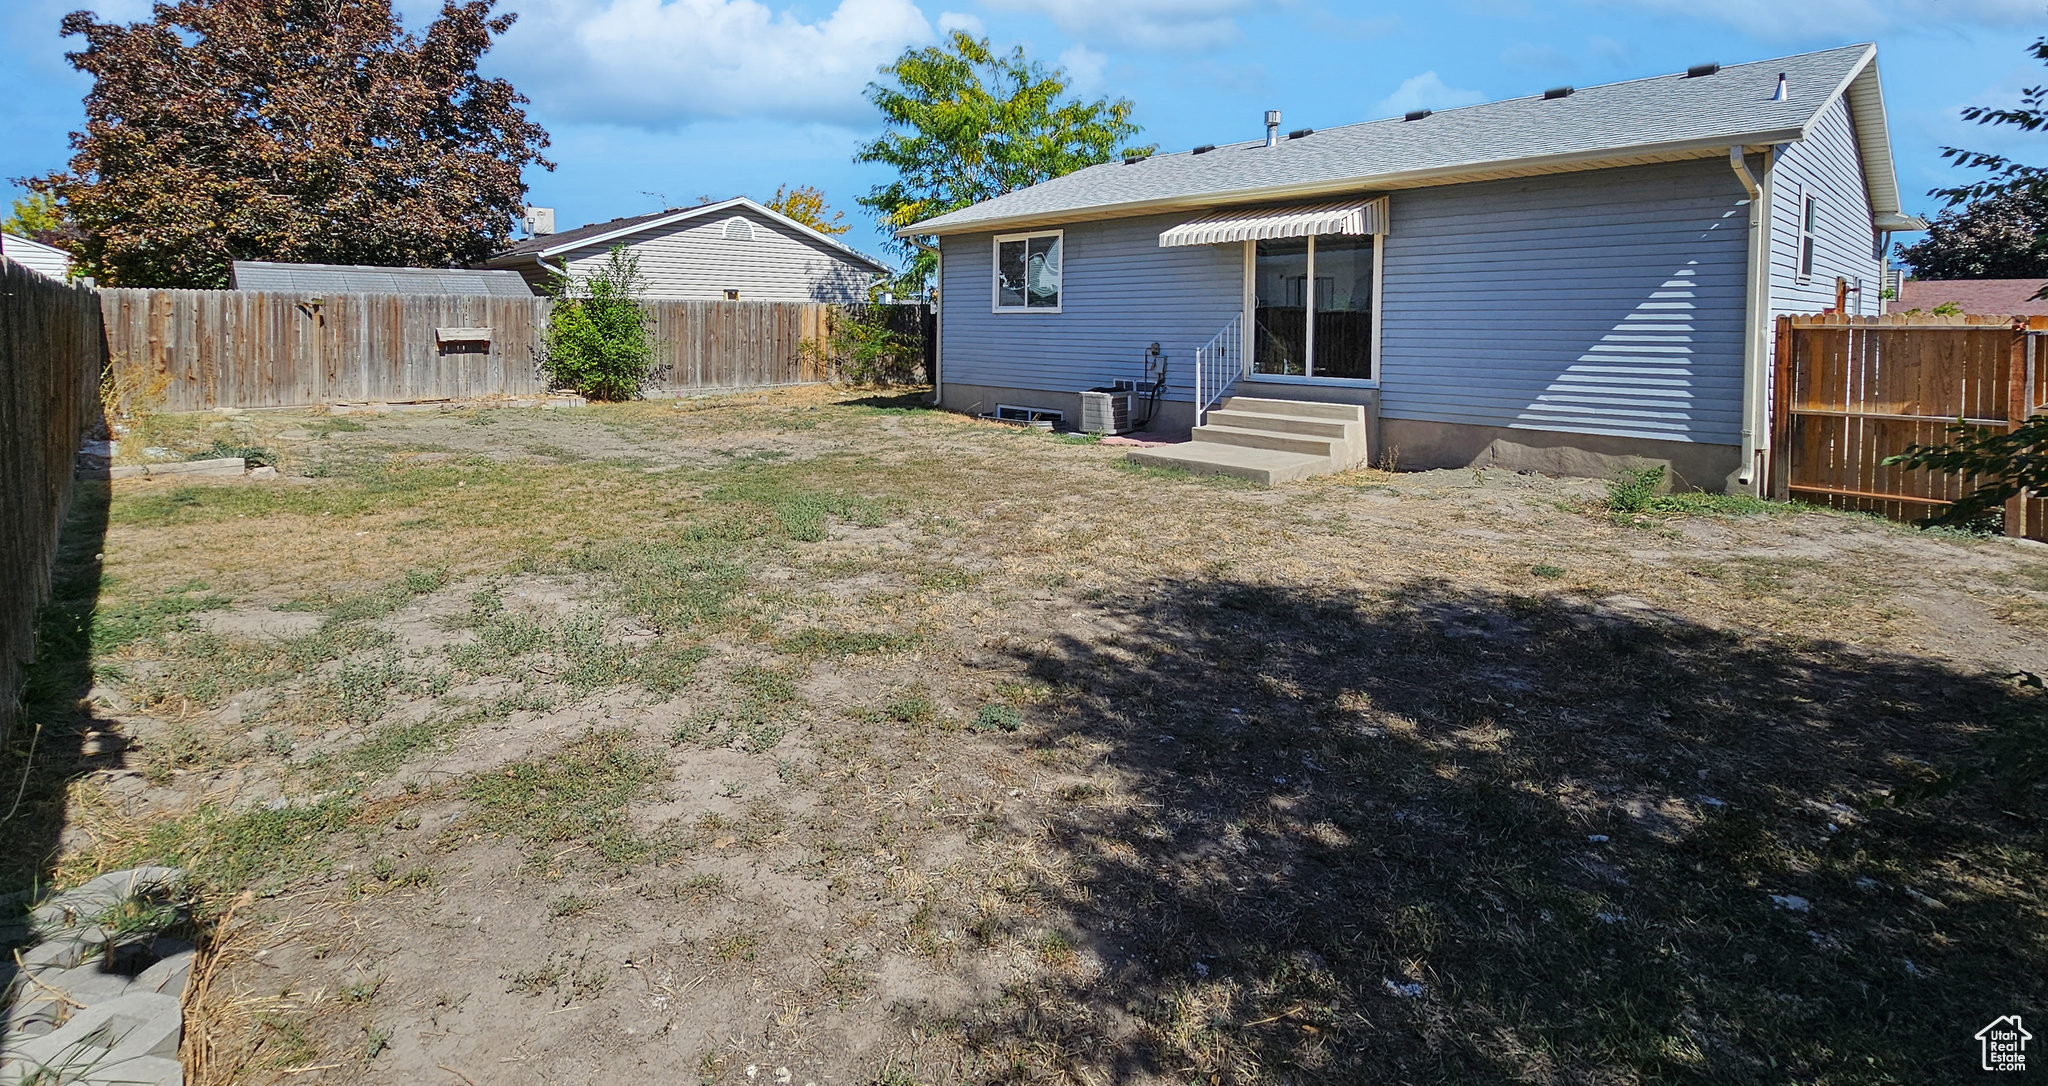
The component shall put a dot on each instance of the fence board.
(1859, 390)
(51, 351)
(263, 349)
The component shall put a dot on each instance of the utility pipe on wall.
(1748, 477)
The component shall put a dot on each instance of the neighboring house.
(46, 260)
(1565, 282)
(369, 279)
(1992, 297)
(732, 249)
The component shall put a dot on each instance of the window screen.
(1028, 272)
(1809, 218)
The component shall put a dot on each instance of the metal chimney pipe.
(1272, 128)
(1784, 92)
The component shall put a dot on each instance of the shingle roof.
(366, 279)
(1992, 297)
(1660, 118)
(548, 245)
(568, 238)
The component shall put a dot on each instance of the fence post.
(2016, 410)
(1779, 478)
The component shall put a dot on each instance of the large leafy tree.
(806, 204)
(967, 123)
(300, 130)
(2003, 236)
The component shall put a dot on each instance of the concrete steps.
(1269, 441)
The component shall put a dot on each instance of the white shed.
(46, 260)
(732, 249)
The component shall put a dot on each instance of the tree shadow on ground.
(58, 740)
(1455, 836)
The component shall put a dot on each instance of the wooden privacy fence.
(50, 354)
(1853, 391)
(226, 348)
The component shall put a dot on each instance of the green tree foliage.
(870, 345)
(2003, 236)
(2001, 463)
(967, 124)
(34, 215)
(297, 130)
(807, 206)
(2006, 175)
(600, 338)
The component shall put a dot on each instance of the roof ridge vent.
(1554, 93)
(1417, 114)
(1203, 149)
(1300, 132)
(1132, 158)
(1699, 70)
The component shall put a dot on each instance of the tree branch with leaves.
(225, 130)
(967, 124)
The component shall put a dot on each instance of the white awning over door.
(1347, 217)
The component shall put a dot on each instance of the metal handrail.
(1218, 365)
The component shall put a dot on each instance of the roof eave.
(689, 213)
(1441, 175)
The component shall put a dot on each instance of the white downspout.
(1748, 476)
(938, 320)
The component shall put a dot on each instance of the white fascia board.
(1713, 147)
(1873, 139)
(709, 209)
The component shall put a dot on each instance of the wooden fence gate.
(1850, 392)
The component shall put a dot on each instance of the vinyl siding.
(1120, 293)
(1607, 302)
(1828, 164)
(694, 260)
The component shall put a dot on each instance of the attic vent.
(1417, 114)
(1699, 70)
(1204, 149)
(1554, 93)
(1135, 157)
(738, 229)
(1300, 132)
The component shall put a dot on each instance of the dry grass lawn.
(813, 739)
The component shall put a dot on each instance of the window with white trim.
(1027, 272)
(1809, 222)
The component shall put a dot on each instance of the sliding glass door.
(1319, 330)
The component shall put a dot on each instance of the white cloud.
(1777, 20)
(1425, 91)
(950, 21)
(1085, 67)
(1174, 25)
(661, 62)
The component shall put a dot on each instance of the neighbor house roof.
(599, 233)
(1661, 119)
(46, 260)
(1990, 297)
(368, 279)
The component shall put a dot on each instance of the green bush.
(863, 348)
(600, 339)
(1633, 490)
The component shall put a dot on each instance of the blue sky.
(654, 102)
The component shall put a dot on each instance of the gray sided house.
(732, 249)
(1563, 282)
